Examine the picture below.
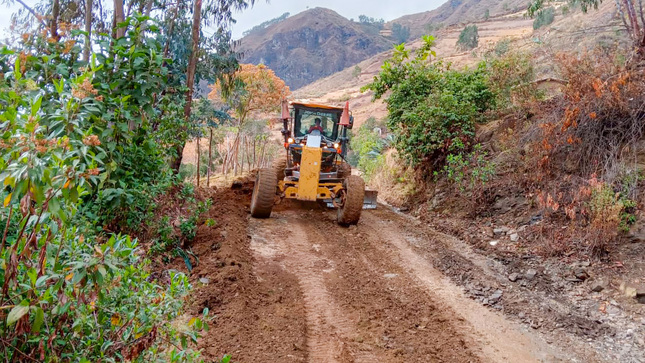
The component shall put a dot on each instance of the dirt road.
(297, 287)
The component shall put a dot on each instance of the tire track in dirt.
(498, 338)
(284, 239)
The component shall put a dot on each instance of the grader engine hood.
(310, 169)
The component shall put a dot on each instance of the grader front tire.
(344, 170)
(279, 165)
(264, 193)
(354, 191)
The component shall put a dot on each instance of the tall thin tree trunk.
(88, 30)
(249, 156)
(255, 139)
(236, 154)
(210, 159)
(631, 13)
(640, 9)
(198, 157)
(171, 27)
(190, 76)
(53, 25)
(242, 156)
(262, 156)
(119, 17)
(146, 12)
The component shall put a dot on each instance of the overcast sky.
(386, 9)
(262, 11)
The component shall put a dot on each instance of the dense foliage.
(85, 150)
(432, 108)
(67, 291)
(367, 147)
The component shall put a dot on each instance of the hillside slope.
(573, 31)
(458, 12)
(311, 45)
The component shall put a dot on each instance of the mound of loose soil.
(258, 315)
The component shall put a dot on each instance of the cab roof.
(316, 105)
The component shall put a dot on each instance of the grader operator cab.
(314, 168)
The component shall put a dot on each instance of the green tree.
(400, 33)
(544, 17)
(432, 108)
(356, 72)
(468, 38)
(367, 146)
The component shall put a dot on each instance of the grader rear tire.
(264, 193)
(354, 190)
(279, 165)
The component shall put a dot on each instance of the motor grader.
(314, 168)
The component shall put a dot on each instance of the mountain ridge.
(296, 47)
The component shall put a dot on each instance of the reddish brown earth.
(299, 288)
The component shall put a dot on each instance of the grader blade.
(369, 201)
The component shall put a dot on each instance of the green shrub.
(356, 72)
(544, 17)
(432, 109)
(468, 38)
(511, 77)
(187, 171)
(368, 148)
(69, 294)
(469, 171)
(502, 47)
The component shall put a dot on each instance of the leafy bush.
(543, 18)
(469, 171)
(468, 38)
(502, 47)
(368, 147)
(510, 77)
(356, 72)
(66, 294)
(187, 171)
(432, 109)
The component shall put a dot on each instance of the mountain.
(311, 45)
(457, 12)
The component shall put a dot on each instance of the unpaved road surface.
(299, 288)
(369, 297)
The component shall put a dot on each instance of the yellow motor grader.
(314, 168)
